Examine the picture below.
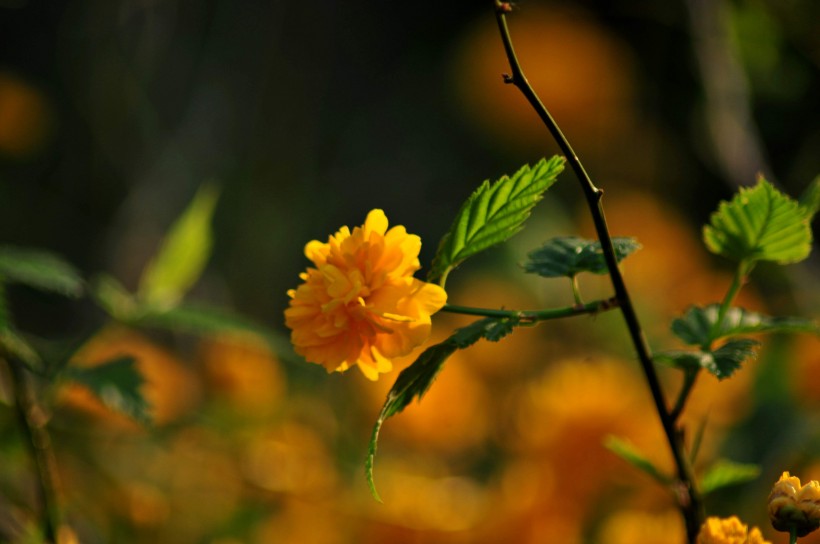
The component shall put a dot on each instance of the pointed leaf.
(39, 269)
(117, 384)
(415, 380)
(695, 326)
(725, 473)
(629, 453)
(494, 213)
(810, 199)
(183, 253)
(759, 224)
(569, 255)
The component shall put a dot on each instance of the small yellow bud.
(792, 505)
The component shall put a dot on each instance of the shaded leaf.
(117, 384)
(415, 380)
(695, 326)
(39, 269)
(113, 298)
(569, 255)
(759, 224)
(725, 473)
(494, 213)
(18, 348)
(721, 362)
(183, 253)
(629, 453)
(810, 199)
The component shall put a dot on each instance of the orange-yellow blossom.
(794, 505)
(728, 531)
(360, 304)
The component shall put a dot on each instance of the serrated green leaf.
(725, 473)
(810, 199)
(722, 362)
(494, 213)
(759, 224)
(415, 380)
(182, 255)
(629, 453)
(696, 325)
(117, 384)
(39, 269)
(570, 255)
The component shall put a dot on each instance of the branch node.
(508, 79)
(504, 7)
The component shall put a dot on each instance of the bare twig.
(686, 492)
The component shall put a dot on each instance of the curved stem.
(793, 535)
(739, 278)
(536, 315)
(689, 378)
(689, 501)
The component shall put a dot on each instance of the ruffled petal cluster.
(728, 531)
(792, 505)
(360, 304)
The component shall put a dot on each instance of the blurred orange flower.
(361, 304)
(728, 531)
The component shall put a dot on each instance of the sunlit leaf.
(182, 255)
(629, 453)
(117, 384)
(415, 380)
(494, 213)
(725, 473)
(570, 255)
(810, 199)
(39, 269)
(696, 325)
(759, 224)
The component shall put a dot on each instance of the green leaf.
(722, 362)
(569, 255)
(494, 213)
(198, 319)
(725, 473)
(696, 325)
(415, 380)
(810, 199)
(117, 384)
(183, 254)
(18, 347)
(39, 269)
(759, 224)
(629, 453)
(113, 298)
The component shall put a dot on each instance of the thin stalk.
(793, 535)
(743, 268)
(536, 315)
(689, 501)
(33, 425)
(689, 378)
(576, 290)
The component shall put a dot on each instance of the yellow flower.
(794, 505)
(728, 531)
(361, 305)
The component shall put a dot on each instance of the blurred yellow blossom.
(792, 505)
(631, 526)
(361, 305)
(728, 531)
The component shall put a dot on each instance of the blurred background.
(308, 115)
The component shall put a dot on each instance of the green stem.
(536, 315)
(742, 270)
(793, 535)
(33, 424)
(689, 378)
(690, 503)
(576, 290)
